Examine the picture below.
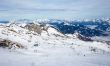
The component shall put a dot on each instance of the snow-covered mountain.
(29, 38)
(61, 44)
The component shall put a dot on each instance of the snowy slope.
(54, 49)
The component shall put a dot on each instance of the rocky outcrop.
(81, 37)
(10, 44)
(36, 28)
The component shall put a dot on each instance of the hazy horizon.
(54, 9)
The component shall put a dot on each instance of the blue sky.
(57, 9)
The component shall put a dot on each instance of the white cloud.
(69, 8)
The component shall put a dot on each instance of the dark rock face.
(3, 44)
(7, 43)
(84, 38)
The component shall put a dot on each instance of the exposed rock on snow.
(10, 44)
(36, 27)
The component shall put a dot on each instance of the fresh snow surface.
(54, 49)
(53, 57)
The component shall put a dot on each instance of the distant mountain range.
(88, 28)
(4, 21)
